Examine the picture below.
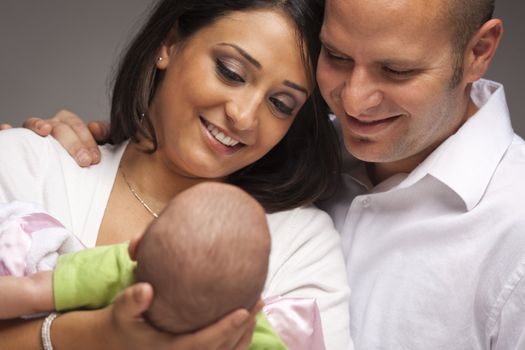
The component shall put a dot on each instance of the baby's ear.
(133, 246)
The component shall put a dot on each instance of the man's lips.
(364, 126)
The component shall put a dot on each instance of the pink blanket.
(31, 240)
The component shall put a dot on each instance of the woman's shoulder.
(301, 225)
(300, 217)
(26, 147)
(23, 151)
(19, 139)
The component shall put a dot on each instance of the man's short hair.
(465, 17)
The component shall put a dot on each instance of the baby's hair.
(205, 256)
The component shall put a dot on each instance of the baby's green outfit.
(92, 278)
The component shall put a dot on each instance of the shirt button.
(366, 202)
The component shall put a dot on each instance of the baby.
(205, 256)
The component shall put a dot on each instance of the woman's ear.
(482, 48)
(163, 57)
(167, 50)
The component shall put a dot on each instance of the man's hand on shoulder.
(77, 137)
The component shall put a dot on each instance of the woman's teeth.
(219, 136)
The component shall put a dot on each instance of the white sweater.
(306, 258)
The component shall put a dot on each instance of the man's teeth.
(219, 136)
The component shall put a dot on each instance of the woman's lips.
(212, 135)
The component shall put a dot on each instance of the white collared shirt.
(436, 258)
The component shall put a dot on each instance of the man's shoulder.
(337, 205)
(510, 172)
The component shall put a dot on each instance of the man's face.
(385, 70)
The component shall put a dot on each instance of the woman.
(208, 90)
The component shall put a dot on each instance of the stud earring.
(141, 117)
(159, 58)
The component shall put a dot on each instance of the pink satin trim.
(23, 249)
(38, 221)
(297, 321)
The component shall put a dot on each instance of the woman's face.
(229, 93)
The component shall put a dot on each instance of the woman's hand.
(77, 137)
(121, 326)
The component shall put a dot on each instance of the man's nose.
(359, 93)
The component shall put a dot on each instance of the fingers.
(245, 341)
(257, 307)
(84, 152)
(100, 130)
(73, 134)
(38, 125)
(76, 137)
(5, 126)
(131, 303)
(225, 334)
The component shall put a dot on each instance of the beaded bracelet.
(46, 331)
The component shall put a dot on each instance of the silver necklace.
(136, 195)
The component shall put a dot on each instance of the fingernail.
(39, 125)
(137, 295)
(95, 155)
(240, 318)
(83, 157)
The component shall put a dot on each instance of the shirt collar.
(466, 161)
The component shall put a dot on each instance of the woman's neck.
(150, 175)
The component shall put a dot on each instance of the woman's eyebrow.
(295, 86)
(258, 65)
(245, 54)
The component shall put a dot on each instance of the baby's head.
(205, 256)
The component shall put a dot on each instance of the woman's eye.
(227, 73)
(281, 106)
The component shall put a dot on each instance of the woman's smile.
(220, 140)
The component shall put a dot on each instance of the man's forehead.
(384, 18)
(351, 10)
(374, 35)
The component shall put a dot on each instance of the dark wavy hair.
(303, 167)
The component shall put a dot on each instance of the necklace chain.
(136, 195)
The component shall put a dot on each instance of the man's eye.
(399, 72)
(333, 56)
(227, 73)
(281, 106)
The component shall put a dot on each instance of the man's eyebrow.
(295, 86)
(325, 42)
(244, 54)
(329, 46)
(400, 62)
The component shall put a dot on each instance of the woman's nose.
(243, 112)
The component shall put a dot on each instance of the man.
(435, 237)
(430, 214)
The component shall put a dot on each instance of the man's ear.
(133, 247)
(481, 49)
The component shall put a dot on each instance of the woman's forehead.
(268, 36)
